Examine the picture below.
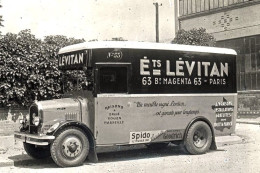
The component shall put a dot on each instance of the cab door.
(112, 88)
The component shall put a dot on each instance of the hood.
(60, 109)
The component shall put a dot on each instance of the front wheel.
(70, 148)
(199, 138)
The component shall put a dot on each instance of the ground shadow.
(111, 156)
(19, 161)
(142, 153)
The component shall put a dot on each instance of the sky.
(133, 20)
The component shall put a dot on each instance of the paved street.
(242, 157)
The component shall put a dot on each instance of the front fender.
(64, 124)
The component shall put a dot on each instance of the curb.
(6, 164)
(24, 162)
(248, 122)
(21, 161)
(228, 140)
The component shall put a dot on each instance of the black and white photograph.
(130, 86)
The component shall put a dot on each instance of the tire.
(199, 138)
(70, 148)
(157, 145)
(37, 152)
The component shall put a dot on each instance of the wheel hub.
(71, 147)
(199, 138)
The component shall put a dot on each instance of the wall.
(9, 120)
(226, 23)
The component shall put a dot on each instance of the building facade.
(235, 24)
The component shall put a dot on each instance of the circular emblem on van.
(115, 54)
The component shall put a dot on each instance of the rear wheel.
(199, 138)
(37, 152)
(70, 148)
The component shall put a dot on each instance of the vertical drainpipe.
(176, 15)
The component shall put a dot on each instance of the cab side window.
(113, 80)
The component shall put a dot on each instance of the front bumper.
(33, 139)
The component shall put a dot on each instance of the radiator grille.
(33, 110)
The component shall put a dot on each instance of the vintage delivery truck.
(137, 93)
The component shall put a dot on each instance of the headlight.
(53, 127)
(24, 120)
(36, 120)
(21, 121)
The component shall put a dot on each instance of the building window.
(248, 61)
(187, 7)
